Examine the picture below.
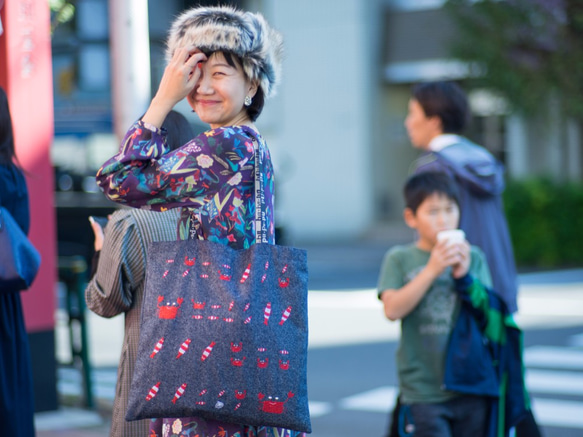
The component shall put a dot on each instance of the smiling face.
(420, 128)
(218, 97)
(435, 214)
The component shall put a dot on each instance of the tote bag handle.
(260, 216)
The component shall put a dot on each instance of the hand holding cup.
(458, 248)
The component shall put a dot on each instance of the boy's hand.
(446, 255)
(439, 259)
(460, 268)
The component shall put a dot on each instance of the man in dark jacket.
(438, 113)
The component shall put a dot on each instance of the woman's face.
(218, 97)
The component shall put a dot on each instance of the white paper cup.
(452, 236)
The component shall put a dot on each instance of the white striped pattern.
(548, 381)
(553, 357)
(562, 414)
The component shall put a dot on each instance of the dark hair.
(7, 153)
(179, 131)
(422, 185)
(256, 106)
(445, 100)
(235, 61)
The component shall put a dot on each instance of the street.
(351, 369)
(352, 387)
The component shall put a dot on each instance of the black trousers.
(526, 428)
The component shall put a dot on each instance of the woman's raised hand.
(180, 77)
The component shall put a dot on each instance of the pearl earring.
(248, 101)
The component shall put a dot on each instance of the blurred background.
(337, 122)
(335, 128)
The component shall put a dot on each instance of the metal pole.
(130, 61)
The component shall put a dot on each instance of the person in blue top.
(16, 386)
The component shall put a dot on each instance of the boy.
(424, 284)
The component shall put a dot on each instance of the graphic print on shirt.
(437, 307)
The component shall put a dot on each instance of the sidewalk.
(342, 281)
(72, 422)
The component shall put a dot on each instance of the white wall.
(318, 127)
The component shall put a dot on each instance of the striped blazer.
(118, 286)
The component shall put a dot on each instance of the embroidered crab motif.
(170, 309)
(273, 405)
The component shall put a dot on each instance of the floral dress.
(212, 179)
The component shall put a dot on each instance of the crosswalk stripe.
(576, 340)
(553, 357)
(66, 418)
(548, 381)
(551, 412)
(380, 399)
(318, 409)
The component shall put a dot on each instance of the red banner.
(26, 75)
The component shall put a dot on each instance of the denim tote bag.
(224, 332)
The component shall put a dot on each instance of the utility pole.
(130, 62)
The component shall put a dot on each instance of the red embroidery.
(179, 393)
(273, 405)
(170, 310)
(153, 391)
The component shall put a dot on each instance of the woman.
(224, 62)
(16, 392)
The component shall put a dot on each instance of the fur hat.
(224, 28)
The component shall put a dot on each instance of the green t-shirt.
(425, 330)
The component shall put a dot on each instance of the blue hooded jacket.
(484, 356)
(480, 180)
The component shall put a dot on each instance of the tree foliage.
(545, 218)
(527, 50)
(62, 11)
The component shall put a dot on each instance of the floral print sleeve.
(211, 178)
(146, 174)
